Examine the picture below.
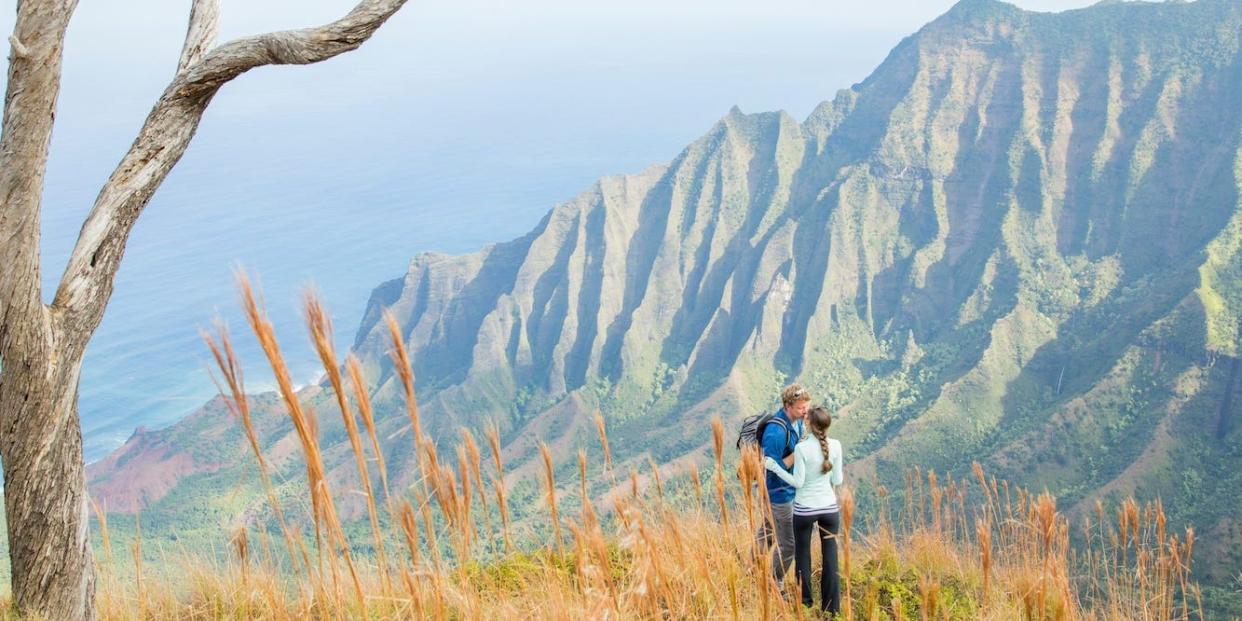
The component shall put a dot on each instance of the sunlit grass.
(945, 549)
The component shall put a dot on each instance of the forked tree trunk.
(41, 345)
(40, 439)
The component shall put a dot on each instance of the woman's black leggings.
(829, 583)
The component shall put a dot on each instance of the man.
(779, 438)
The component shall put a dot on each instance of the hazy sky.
(120, 53)
(468, 70)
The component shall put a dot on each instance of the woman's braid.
(820, 421)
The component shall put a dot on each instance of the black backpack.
(754, 426)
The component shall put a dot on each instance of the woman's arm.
(776, 468)
(838, 472)
(799, 469)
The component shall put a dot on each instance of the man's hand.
(788, 461)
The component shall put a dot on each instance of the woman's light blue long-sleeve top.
(816, 488)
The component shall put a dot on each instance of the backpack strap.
(778, 421)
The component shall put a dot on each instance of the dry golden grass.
(974, 549)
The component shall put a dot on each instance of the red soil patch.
(141, 472)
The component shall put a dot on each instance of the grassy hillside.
(676, 548)
(661, 559)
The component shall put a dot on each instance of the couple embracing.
(804, 466)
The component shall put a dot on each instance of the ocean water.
(459, 125)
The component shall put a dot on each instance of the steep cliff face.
(1003, 179)
(1019, 242)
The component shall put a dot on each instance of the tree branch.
(87, 282)
(29, 111)
(291, 47)
(201, 33)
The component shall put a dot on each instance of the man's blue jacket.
(778, 442)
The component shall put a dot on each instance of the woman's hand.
(775, 467)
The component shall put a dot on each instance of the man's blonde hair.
(794, 393)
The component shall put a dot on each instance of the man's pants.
(783, 532)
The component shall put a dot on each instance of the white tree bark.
(201, 34)
(41, 346)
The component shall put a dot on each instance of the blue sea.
(459, 125)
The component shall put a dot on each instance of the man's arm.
(789, 461)
(773, 443)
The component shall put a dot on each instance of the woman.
(816, 471)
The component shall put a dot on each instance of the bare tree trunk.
(40, 439)
(41, 345)
(45, 494)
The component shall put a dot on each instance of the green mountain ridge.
(1019, 241)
